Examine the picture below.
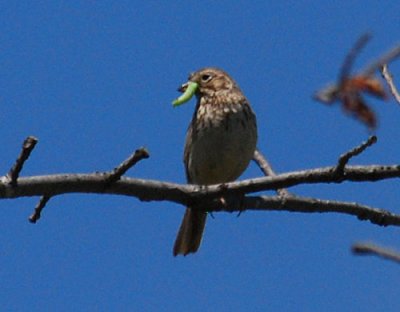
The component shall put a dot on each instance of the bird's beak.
(189, 89)
(183, 87)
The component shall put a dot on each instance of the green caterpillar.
(187, 95)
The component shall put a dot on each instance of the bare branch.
(195, 196)
(312, 205)
(148, 190)
(184, 194)
(327, 94)
(27, 147)
(351, 56)
(38, 209)
(266, 168)
(389, 80)
(332, 91)
(344, 158)
(114, 176)
(363, 249)
(386, 58)
(134, 158)
(303, 205)
(263, 163)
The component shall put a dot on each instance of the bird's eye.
(205, 77)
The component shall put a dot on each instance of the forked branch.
(240, 192)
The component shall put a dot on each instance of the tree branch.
(386, 58)
(134, 158)
(312, 205)
(331, 92)
(38, 209)
(27, 147)
(266, 168)
(389, 80)
(344, 158)
(351, 56)
(237, 193)
(149, 190)
(57, 184)
(363, 249)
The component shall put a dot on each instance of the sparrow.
(220, 142)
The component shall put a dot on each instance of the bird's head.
(205, 82)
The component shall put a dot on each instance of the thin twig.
(38, 209)
(263, 163)
(331, 92)
(119, 171)
(389, 80)
(344, 158)
(266, 168)
(351, 56)
(27, 147)
(363, 249)
(386, 58)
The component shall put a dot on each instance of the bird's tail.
(190, 233)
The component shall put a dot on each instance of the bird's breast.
(221, 145)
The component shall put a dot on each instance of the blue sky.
(94, 80)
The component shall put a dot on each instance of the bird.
(220, 142)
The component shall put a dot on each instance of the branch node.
(119, 171)
(38, 209)
(345, 158)
(27, 147)
(266, 168)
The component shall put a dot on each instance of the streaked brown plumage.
(220, 143)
